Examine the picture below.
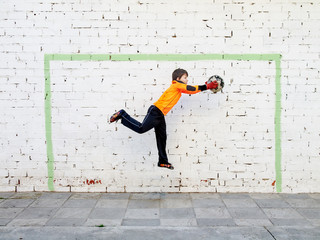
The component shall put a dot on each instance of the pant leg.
(161, 137)
(147, 124)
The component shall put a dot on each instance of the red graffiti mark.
(274, 182)
(204, 180)
(92, 181)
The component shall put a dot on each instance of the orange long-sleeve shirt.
(172, 95)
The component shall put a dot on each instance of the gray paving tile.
(107, 213)
(265, 195)
(314, 195)
(175, 196)
(9, 212)
(85, 196)
(241, 203)
(217, 212)
(80, 203)
(290, 222)
(175, 203)
(278, 233)
(48, 202)
(315, 222)
(104, 222)
(146, 196)
(16, 203)
(205, 196)
(115, 195)
(112, 203)
(26, 195)
(5, 195)
(282, 213)
(146, 213)
(296, 233)
(140, 222)
(252, 222)
(143, 203)
(215, 222)
(36, 213)
(247, 213)
(289, 211)
(28, 222)
(304, 230)
(312, 213)
(66, 222)
(234, 195)
(189, 222)
(177, 213)
(272, 203)
(304, 203)
(295, 196)
(5, 221)
(141, 233)
(259, 233)
(73, 213)
(207, 203)
(56, 195)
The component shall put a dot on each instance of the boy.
(157, 111)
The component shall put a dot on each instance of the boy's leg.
(136, 126)
(161, 136)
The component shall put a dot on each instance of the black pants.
(154, 119)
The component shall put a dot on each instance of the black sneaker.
(166, 165)
(116, 116)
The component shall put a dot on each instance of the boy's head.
(180, 74)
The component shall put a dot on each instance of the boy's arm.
(189, 89)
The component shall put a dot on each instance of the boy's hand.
(212, 85)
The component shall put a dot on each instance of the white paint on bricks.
(222, 142)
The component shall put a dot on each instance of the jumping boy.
(157, 111)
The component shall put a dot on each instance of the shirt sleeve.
(189, 89)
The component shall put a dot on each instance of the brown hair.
(178, 73)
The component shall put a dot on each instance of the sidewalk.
(36, 215)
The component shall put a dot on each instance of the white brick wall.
(223, 142)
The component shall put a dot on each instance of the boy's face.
(184, 78)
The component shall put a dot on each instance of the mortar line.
(56, 210)
(92, 209)
(125, 212)
(269, 232)
(227, 208)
